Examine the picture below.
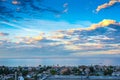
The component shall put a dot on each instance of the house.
(20, 77)
(116, 73)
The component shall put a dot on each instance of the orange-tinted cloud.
(15, 2)
(29, 40)
(106, 5)
(104, 23)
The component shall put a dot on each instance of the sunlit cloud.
(101, 52)
(106, 5)
(60, 36)
(76, 41)
(104, 23)
(84, 47)
(15, 2)
(51, 28)
(29, 40)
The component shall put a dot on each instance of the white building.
(116, 74)
(20, 78)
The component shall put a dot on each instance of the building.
(20, 77)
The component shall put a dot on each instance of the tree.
(53, 72)
(76, 71)
(108, 72)
(24, 72)
(91, 69)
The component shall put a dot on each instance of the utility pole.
(15, 75)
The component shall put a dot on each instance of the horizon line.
(56, 57)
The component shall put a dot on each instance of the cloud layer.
(98, 39)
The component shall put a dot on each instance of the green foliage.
(4, 70)
(76, 71)
(41, 70)
(24, 72)
(11, 79)
(53, 72)
(108, 72)
(35, 77)
(91, 69)
(97, 75)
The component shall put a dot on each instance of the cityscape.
(56, 72)
(59, 39)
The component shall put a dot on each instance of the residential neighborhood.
(56, 72)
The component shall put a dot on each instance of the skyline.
(59, 28)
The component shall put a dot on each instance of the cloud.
(92, 38)
(4, 34)
(24, 46)
(59, 36)
(80, 35)
(15, 9)
(103, 23)
(65, 10)
(48, 25)
(84, 47)
(15, 2)
(98, 53)
(100, 38)
(65, 6)
(20, 27)
(29, 40)
(106, 5)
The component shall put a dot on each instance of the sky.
(59, 28)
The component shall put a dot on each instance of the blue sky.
(65, 28)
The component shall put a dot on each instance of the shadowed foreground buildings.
(96, 72)
(82, 78)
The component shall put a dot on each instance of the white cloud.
(65, 6)
(20, 27)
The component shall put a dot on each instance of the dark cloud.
(20, 9)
